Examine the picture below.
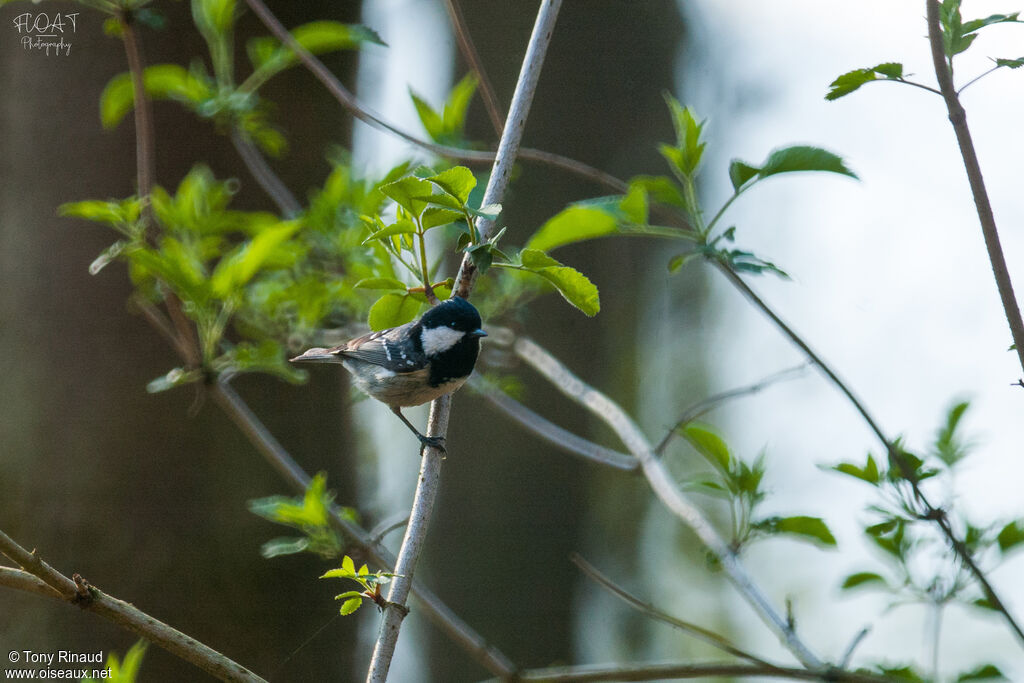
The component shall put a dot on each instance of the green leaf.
(710, 445)
(534, 259)
(868, 473)
(112, 213)
(861, 579)
(457, 182)
(283, 546)
(680, 260)
(1011, 63)
(807, 528)
(380, 283)
(430, 118)
(392, 310)
(236, 269)
(686, 156)
(457, 105)
(661, 189)
(161, 82)
(266, 356)
(853, 80)
(1011, 536)
(434, 216)
(948, 446)
(269, 56)
(740, 173)
(983, 672)
(634, 205)
(350, 606)
(574, 287)
(403, 226)
(348, 565)
(573, 224)
(803, 158)
(410, 192)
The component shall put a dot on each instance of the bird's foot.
(433, 442)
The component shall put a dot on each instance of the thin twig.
(550, 432)
(938, 515)
(958, 118)
(710, 637)
(437, 425)
(360, 111)
(664, 486)
(48, 581)
(428, 603)
(145, 158)
(265, 177)
(686, 671)
(712, 402)
(468, 49)
(852, 647)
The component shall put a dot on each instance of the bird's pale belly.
(401, 390)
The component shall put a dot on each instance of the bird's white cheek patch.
(439, 339)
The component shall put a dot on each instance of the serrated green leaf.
(392, 310)
(808, 528)
(740, 172)
(348, 565)
(410, 192)
(853, 80)
(434, 216)
(574, 287)
(535, 258)
(710, 445)
(861, 579)
(283, 546)
(458, 182)
(380, 283)
(573, 224)
(350, 606)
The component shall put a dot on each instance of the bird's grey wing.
(386, 348)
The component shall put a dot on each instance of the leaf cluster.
(741, 485)
(309, 515)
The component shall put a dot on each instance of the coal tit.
(415, 363)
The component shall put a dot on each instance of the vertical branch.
(145, 159)
(512, 136)
(430, 468)
(958, 118)
(468, 50)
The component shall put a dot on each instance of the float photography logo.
(50, 34)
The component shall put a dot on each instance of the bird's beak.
(477, 333)
(316, 355)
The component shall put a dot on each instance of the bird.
(414, 363)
